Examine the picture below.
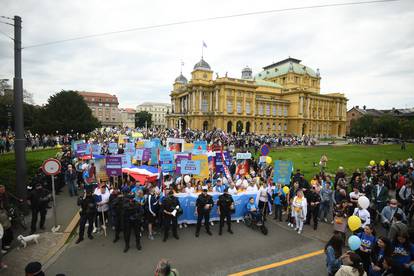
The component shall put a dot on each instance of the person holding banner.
(171, 208)
(204, 204)
(225, 206)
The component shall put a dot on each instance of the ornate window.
(285, 111)
(268, 110)
(239, 107)
(280, 111)
(285, 127)
(260, 109)
(204, 105)
(229, 106)
(247, 108)
(274, 110)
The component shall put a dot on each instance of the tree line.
(386, 126)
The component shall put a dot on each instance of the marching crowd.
(152, 207)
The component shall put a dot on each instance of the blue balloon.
(354, 242)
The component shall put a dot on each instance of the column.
(211, 101)
(200, 100)
(217, 92)
(194, 100)
(301, 105)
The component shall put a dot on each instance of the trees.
(386, 126)
(64, 112)
(143, 119)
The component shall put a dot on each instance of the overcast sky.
(365, 51)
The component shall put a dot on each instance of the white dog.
(25, 240)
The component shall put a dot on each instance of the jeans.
(35, 213)
(278, 212)
(324, 209)
(73, 190)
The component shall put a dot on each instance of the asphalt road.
(216, 255)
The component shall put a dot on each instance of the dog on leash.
(30, 238)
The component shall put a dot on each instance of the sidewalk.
(49, 242)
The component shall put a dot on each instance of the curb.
(47, 260)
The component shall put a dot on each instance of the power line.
(1, 32)
(205, 20)
(7, 23)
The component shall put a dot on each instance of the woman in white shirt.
(251, 188)
(102, 195)
(188, 189)
(299, 210)
(232, 189)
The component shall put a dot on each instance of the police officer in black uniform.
(225, 207)
(171, 209)
(204, 204)
(133, 213)
(87, 214)
(38, 200)
(116, 203)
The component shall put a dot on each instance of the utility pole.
(20, 141)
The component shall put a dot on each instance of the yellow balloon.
(354, 223)
(382, 163)
(268, 160)
(286, 189)
(372, 163)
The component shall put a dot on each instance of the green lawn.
(348, 156)
(33, 161)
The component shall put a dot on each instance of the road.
(216, 255)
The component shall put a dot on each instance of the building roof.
(98, 95)
(285, 66)
(202, 64)
(154, 103)
(128, 110)
(261, 82)
(181, 79)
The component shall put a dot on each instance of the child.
(278, 197)
(368, 241)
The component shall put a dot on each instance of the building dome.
(247, 73)
(202, 64)
(181, 79)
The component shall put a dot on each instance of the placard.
(190, 167)
(113, 165)
(282, 171)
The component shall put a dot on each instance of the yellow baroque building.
(282, 99)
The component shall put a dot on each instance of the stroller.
(255, 222)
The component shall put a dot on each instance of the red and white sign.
(51, 166)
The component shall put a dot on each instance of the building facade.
(282, 99)
(104, 107)
(158, 112)
(127, 117)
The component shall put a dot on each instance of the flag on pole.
(204, 44)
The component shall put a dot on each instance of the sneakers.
(94, 230)
(3, 251)
(238, 221)
(325, 220)
(151, 237)
(181, 226)
(79, 240)
(297, 228)
(211, 223)
(290, 224)
(299, 232)
(270, 213)
(185, 225)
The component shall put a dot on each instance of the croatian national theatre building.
(284, 98)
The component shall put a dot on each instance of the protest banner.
(219, 161)
(188, 147)
(96, 149)
(154, 156)
(282, 171)
(178, 157)
(167, 160)
(113, 148)
(175, 144)
(82, 149)
(121, 139)
(200, 145)
(204, 173)
(148, 144)
(138, 154)
(113, 165)
(130, 148)
(146, 155)
(244, 155)
(190, 167)
(156, 142)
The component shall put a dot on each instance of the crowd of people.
(153, 207)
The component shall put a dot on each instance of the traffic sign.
(51, 166)
(264, 150)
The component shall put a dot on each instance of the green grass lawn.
(350, 157)
(33, 161)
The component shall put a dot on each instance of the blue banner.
(126, 160)
(138, 154)
(282, 171)
(167, 160)
(130, 148)
(190, 167)
(113, 148)
(96, 149)
(200, 146)
(148, 144)
(156, 142)
(154, 156)
(187, 203)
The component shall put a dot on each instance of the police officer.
(116, 201)
(204, 204)
(225, 207)
(133, 213)
(171, 207)
(38, 200)
(87, 214)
